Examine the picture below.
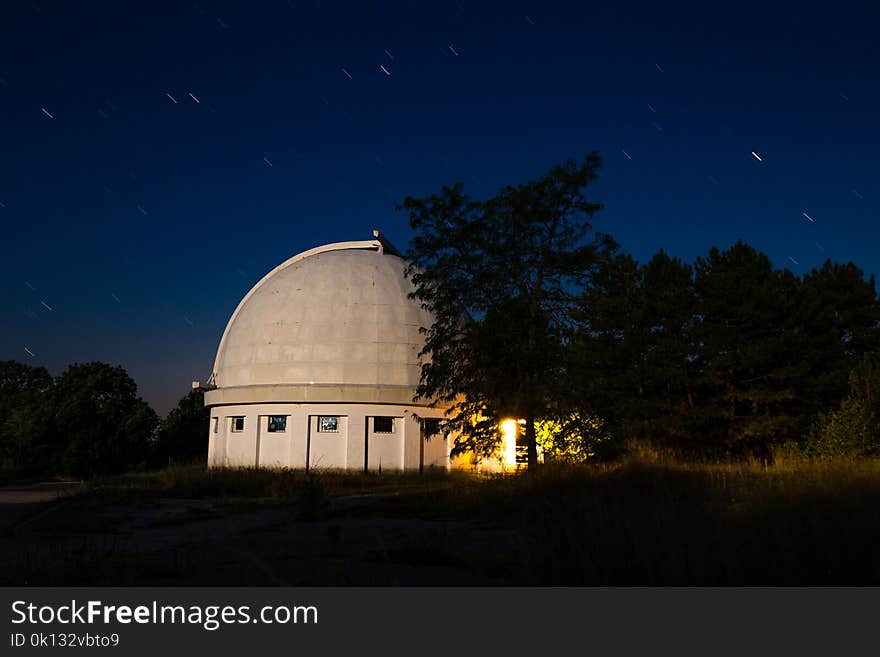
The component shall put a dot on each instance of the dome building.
(318, 368)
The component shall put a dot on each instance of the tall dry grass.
(646, 520)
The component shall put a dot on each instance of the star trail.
(715, 124)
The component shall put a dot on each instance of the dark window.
(431, 426)
(277, 423)
(214, 424)
(328, 424)
(383, 424)
(238, 423)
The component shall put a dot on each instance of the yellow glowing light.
(509, 430)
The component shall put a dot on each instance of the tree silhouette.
(25, 419)
(182, 435)
(729, 357)
(501, 277)
(632, 358)
(107, 428)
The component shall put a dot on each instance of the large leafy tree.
(25, 418)
(17, 379)
(107, 427)
(501, 277)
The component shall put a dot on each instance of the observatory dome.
(318, 369)
(338, 315)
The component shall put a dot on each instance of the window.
(431, 426)
(328, 424)
(383, 424)
(238, 423)
(277, 423)
(214, 425)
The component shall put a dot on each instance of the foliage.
(853, 429)
(576, 438)
(838, 317)
(26, 429)
(632, 354)
(107, 427)
(500, 277)
(182, 435)
(17, 379)
(85, 422)
(747, 347)
(728, 358)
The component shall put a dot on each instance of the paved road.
(19, 500)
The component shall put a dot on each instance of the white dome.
(338, 315)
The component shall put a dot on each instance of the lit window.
(214, 425)
(277, 423)
(431, 426)
(238, 423)
(328, 424)
(383, 424)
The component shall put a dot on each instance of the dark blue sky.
(141, 221)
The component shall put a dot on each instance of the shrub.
(853, 429)
(576, 438)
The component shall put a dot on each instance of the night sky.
(157, 159)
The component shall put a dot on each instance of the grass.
(196, 482)
(650, 522)
(235, 490)
(667, 523)
(643, 521)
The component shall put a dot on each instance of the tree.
(853, 429)
(838, 316)
(17, 379)
(730, 356)
(501, 278)
(107, 427)
(609, 346)
(183, 434)
(25, 419)
(633, 350)
(576, 438)
(748, 346)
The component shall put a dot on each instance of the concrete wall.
(216, 442)
(355, 442)
(437, 452)
(385, 451)
(328, 450)
(273, 448)
(412, 432)
(241, 446)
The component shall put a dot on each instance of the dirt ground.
(229, 542)
(19, 501)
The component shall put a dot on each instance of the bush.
(854, 428)
(576, 438)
